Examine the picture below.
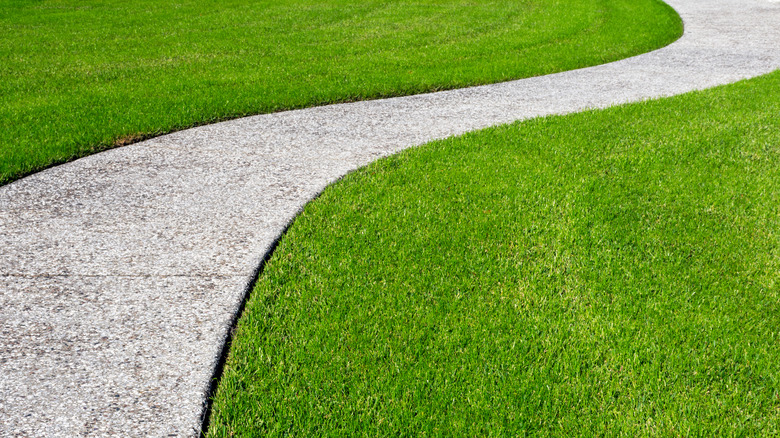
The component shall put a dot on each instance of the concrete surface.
(121, 272)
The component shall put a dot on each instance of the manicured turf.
(608, 273)
(78, 76)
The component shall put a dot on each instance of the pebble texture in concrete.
(120, 272)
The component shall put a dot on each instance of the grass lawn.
(612, 272)
(79, 76)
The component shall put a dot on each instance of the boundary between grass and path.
(216, 377)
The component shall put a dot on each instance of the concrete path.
(121, 272)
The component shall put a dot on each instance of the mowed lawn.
(608, 273)
(80, 76)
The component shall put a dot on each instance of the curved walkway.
(121, 272)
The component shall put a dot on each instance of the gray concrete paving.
(120, 272)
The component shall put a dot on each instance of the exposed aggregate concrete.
(121, 272)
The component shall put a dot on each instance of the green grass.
(79, 76)
(608, 273)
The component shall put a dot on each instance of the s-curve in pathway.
(120, 273)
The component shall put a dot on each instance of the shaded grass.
(611, 272)
(80, 76)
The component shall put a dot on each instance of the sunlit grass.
(610, 273)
